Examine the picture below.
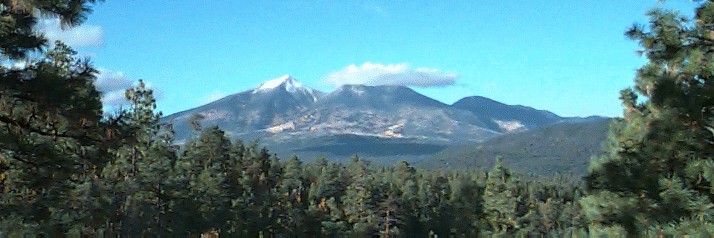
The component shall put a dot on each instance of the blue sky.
(569, 57)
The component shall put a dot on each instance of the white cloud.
(80, 36)
(390, 74)
(115, 99)
(113, 85)
(213, 96)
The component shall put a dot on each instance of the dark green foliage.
(346, 145)
(130, 180)
(658, 169)
(360, 199)
(18, 19)
(206, 165)
(293, 193)
(135, 181)
(563, 148)
(52, 140)
(66, 170)
(149, 187)
(501, 199)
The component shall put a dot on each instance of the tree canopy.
(660, 161)
(67, 169)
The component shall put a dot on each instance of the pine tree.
(137, 180)
(325, 196)
(52, 138)
(467, 202)
(359, 199)
(18, 18)
(501, 199)
(256, 206)
(407, 198)
(207, 167)
(293, 199)
(52, 141)
(657, 169)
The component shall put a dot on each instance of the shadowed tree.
(293, 198)
(18, 18)
(138, 181)
(52, 136)
(658, 169)
(359, 199)
(52, 140)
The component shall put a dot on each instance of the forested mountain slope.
(560, 148)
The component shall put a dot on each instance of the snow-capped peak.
(276, 82)
(287, 82)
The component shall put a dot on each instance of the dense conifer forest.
(68, 170)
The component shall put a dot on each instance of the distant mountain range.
(385, 122)
(283, 109)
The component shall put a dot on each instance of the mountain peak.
(381, 97)
(288, 84)
(477, 99)
(277, 82)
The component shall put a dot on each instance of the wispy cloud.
(391, 74)
(80, 36)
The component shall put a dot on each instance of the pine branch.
(54, 133)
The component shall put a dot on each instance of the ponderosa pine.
(659, 166)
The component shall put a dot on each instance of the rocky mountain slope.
(251, 114)
(283, 110)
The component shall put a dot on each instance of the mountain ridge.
(562, 148)
(283, 111)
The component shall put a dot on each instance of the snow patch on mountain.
(395, 131)
(282, 127)
(273, 83)
(359, 92)
(285, 81)
(288, 83)
(510, 126)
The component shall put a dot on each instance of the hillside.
(340, 148)
(563, 148)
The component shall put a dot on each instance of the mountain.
(384, 98)
(382, 122)
(251, 113)
(564, 148)
(392, 112)
(506, 117)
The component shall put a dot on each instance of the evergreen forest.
(68, 169)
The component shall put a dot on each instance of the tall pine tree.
(659, 166)
(52, 137)
(137, 179)
(501, 199)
